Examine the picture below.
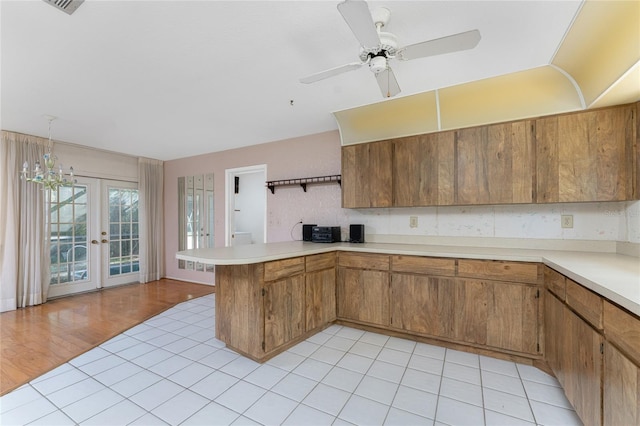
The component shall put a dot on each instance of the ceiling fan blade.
(453, 43)
(330, 73)
(357, 15)
(388, 83)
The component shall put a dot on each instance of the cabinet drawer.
(498, 270)
(283, 268)
(555, 282)
(585, 302)
(423, 265)
(318, 262)
(379, 262)
(623, 329)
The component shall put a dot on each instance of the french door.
(93, 229)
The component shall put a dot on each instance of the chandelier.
(46, 174)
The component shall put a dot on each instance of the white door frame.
(229, 207)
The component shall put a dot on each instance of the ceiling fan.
(377, 47)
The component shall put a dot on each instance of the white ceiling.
(171, 79)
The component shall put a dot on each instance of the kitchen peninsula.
(614, 277)
(576, 314)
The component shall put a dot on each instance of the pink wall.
(313, 155)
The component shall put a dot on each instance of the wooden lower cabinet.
(423, 304)
(512, 317)
(320, 298)
(584, 367)
(621, 389)
(554, 344)
(239, 308)
(573, 352)
(363, 295)
(496, 314)
(263, 308)
(284, 311)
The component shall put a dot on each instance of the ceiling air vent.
(67, 6)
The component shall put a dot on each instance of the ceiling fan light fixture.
(378, 64)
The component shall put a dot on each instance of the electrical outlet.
(413, 221)
(566, 220)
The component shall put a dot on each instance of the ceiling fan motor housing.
(378, 63)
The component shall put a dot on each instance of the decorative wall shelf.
(303, 182)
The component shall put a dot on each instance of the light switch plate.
(566, 220)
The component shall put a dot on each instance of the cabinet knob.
(104, 240)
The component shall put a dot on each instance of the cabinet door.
(621, 397)
(553, 335)
(363, 295)
(586, 156)
(320, 298)
(495, 164)
(284, 306)
(423, 170)
(423, 304)
(470, 322)
(582, 367)
(366, 175)
(512, 317)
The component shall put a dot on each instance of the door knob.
(94, 241)
(104, 241)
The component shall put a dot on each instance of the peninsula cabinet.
(264, 308)
(495, 164)
(367, 175)
(320, 290)
(284, 302)
(593, 347)
(587, 156)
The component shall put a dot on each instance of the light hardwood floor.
(37, 339)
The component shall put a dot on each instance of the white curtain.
(151, 210)
(24, 262)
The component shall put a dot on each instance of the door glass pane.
(68, 234)
(123, 230)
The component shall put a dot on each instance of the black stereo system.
(326, 234)
(331, 234)
(307, 230)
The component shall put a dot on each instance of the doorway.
(246, 205)
(93, 234)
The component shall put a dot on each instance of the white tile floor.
(172, 370)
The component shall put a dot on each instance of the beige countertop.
(614, 276)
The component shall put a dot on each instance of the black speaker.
(307, 230)
(356, 233)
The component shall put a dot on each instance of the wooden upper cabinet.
(495, 164)
(586, 156)
(423, 172)
(576, 157)
(366, 175)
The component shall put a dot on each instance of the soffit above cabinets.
(597, 65)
